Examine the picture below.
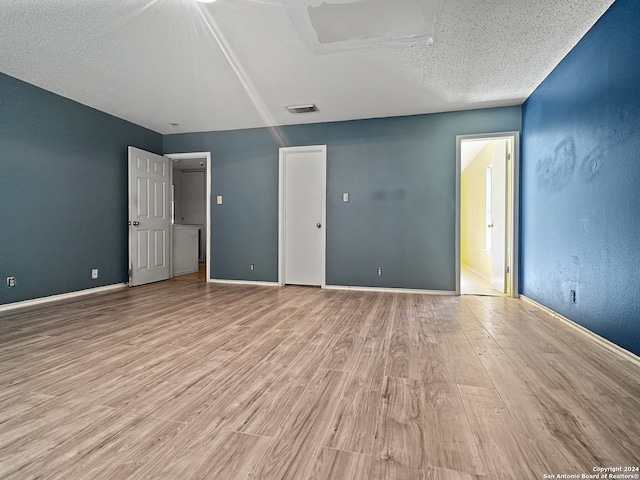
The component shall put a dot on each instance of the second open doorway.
(487, 225)
(190, 215)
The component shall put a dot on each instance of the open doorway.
(486, 247)
(190, 215)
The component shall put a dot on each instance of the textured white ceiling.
(237, 63)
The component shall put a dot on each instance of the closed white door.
(499, 215)
(302, 215)
(149, 217)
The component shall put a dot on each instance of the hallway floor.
(473, 284)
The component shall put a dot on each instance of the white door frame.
(207, 224)
(513, 204)
(281, 209)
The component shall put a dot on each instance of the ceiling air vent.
(302, 108)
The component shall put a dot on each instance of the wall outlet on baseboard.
(11, 282)
(379, 271)
(252, 267)
(572, 295)
(94, 273)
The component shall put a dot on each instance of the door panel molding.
(149, 221)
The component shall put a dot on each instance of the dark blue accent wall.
(63, 191)
(399, 173)
(581, 182)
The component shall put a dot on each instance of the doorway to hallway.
(485, 248)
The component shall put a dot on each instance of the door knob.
(318, 225)
(135, 224)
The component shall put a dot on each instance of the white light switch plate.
(345, 197)
(219, 199)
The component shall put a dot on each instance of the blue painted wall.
(63, 187)
(399, 172)
(581, 182)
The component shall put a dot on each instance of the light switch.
(345, 197)
(219, 199)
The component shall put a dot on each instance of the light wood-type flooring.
(182, 381)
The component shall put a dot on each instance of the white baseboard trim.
(244, 282)
(476, 272)
(186, 272)
(390, 290)
(626, 354)
(61, 296)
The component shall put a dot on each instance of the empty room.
(319, 239)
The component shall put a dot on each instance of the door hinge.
(508, 270)
(130, 272)
(508, 157)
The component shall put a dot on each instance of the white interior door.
(302, 215)
(149, 217)
(499, 215)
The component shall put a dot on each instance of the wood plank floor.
(186, 380)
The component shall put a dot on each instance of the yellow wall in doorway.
(472, 212)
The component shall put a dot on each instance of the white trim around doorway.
(207, 155)
(282, 211)
(513, 200)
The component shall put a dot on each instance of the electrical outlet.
(252, 267)
(94, 273)
(379, 271)
(11, 282)
(573, 296)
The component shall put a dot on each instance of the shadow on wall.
(556, 171)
